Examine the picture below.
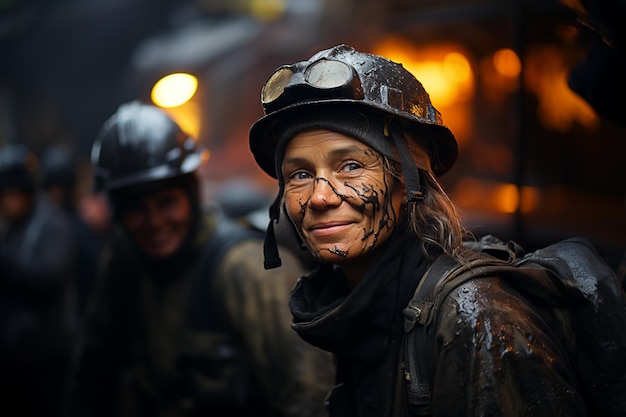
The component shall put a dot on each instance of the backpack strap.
(445, 274)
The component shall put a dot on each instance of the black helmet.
(18, 168)
(58, 167)
(141, 144)
(342, 76)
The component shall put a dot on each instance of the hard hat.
(340, 78)
(18, 167)
(140, 144)
(58, 167)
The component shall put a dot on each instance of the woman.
(356, 146)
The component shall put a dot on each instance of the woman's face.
(343, 202)
(159, 222)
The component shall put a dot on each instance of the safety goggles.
(322, 79)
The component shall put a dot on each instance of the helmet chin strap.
(410, 171)
(270, 246)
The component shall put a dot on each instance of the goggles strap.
(270, 246)
(410, 171)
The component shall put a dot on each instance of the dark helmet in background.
(342, 77)
(140, 144)
(18, 168)
(58, 167)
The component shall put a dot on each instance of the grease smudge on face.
(338, 194)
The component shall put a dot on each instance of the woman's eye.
(299, 175)
(351, 166)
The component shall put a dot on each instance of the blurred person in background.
(183, 319)
(599, 76)
(37, 289)
(59, 169)
(94, 209)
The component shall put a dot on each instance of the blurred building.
(537, 162)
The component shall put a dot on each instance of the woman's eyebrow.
(294, 161)
(345, 151)
(333, 153)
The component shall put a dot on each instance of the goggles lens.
(328, 74)
(324, 74)
(276, 84)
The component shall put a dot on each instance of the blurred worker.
(598, 77)
(59, 180)
(184, 315)
(37, 310)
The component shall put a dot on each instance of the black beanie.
(371, 128)
(368, 127)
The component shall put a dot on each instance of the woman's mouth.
(329, 228)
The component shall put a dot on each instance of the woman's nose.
(324, 194)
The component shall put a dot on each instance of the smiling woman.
(323, 170)
(356, 154)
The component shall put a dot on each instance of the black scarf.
(360, 324)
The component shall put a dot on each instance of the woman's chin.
(333, 254)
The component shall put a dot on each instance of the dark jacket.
(496, 355)
(38, 315)
(241, 359)
(37, 290)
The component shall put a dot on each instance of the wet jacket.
(495, 353)
(240, 359)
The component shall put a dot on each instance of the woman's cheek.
(294, 209)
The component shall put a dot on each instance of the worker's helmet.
(18, 168)
(59, 167)
(339, 77)
(141, 144)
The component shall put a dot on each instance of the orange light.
(174, 90)
(530, 199)
(456, 67)
(494, 196)
(507, 63)
(506, 198)
(188, 116)
(435, 80)
(559, 108)
(443, 68)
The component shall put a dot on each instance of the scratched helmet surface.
(342, 76)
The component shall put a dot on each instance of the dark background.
(65, 66)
